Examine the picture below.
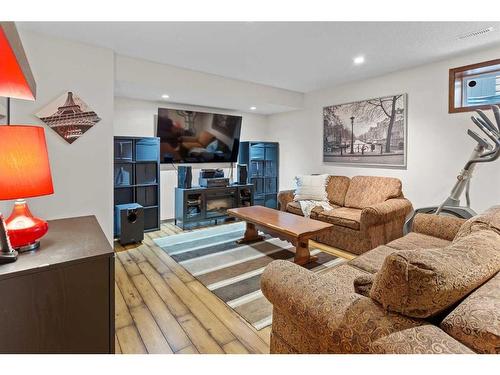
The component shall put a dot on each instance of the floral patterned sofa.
(368, 211)
(435, 290)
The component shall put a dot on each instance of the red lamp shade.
(16, 79)
(24, 163)
(24, 173)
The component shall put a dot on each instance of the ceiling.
(298, 56)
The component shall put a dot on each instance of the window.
(474, 86)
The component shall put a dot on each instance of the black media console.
(200, 205)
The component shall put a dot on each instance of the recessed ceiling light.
(165, 96)
(253, 108)
(358, 60)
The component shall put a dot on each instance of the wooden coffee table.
(289, 227)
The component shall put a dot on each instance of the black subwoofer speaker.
(184, 177)
(132, 225)
(242, 174)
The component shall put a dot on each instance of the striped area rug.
(232, 271)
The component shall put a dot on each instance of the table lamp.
(24, 164)
(24, 173)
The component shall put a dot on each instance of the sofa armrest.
(445, 227)
(285, 197)
(385, 212)
(425, 339)
(344, 321)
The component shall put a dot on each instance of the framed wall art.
(367, 133)
(69, 116)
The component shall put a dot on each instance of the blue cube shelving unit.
(137, 176)
(262, 160)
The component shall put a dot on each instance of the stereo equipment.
(129, 222)
(184, 176)
(242, 174)
(211, 173)
(214, 182)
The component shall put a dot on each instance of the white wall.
(437, 142)
(141, 79)
(82, 172)
(134, 117)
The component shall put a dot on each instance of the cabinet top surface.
(68, 240)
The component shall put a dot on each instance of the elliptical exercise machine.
(486, 150)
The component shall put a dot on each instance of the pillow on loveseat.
(489, 219)
(311, 188)
(423, 283)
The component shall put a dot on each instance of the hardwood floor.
(161, 308)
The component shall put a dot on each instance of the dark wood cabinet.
(60, 299)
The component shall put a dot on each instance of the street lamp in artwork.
(352, 134)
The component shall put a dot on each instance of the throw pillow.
(423, 283)
(311, 188)
(489, 219)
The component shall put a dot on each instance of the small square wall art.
(69, 116)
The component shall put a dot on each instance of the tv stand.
(200, 205)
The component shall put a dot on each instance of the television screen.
(197, 137)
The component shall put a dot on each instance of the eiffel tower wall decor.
(69, 116)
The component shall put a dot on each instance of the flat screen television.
(197, 137)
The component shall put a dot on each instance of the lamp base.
(24, 229)
(30, 247)
(8, 257)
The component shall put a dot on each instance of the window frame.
(455, 73)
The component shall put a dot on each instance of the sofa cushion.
(424, 339)
(476, 321)
(342, 276)
(413, 241)
(372, 260)
(294, 208)
(490, 219)
(342, 216)
(423, 283)
(365, 191)
(337, 189)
